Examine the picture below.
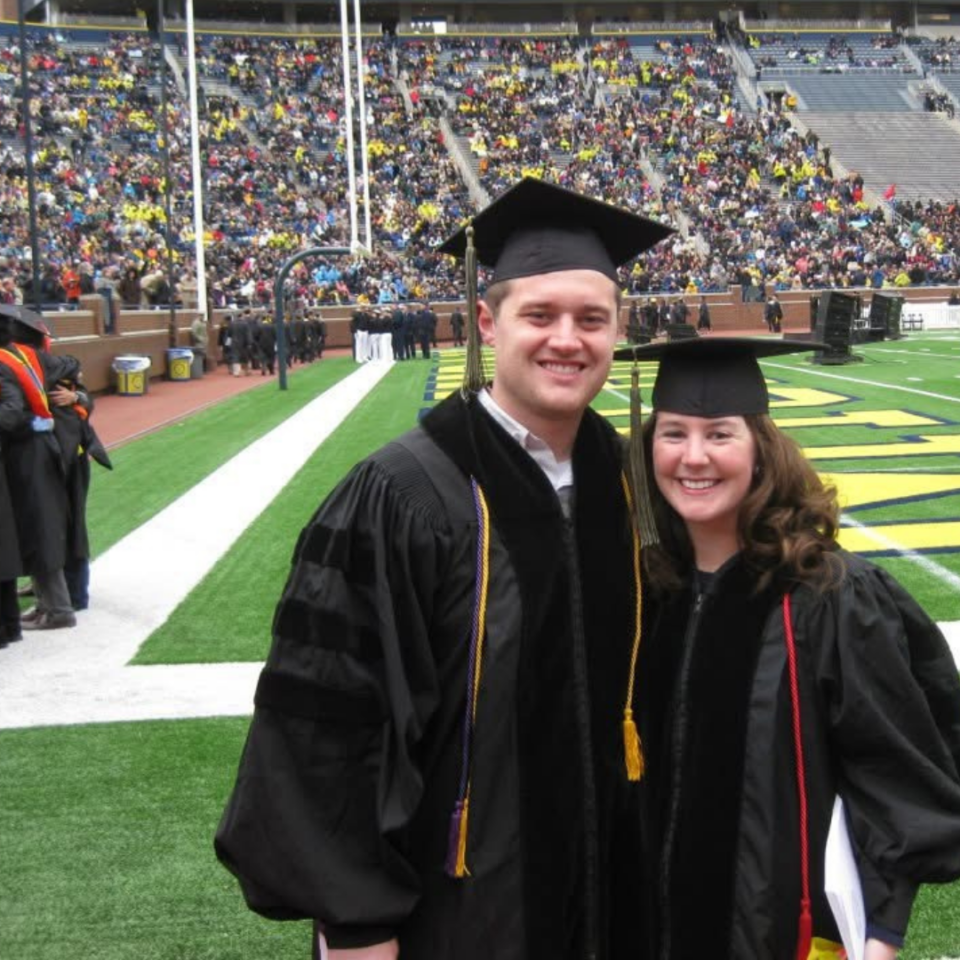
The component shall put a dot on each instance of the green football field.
(106, 829)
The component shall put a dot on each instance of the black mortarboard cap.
(712, 376)
(14, 311)
(536, 227)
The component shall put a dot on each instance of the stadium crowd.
(659, 129)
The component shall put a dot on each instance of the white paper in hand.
(842, 885)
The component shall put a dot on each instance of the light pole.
(165, 160)
(28, 149)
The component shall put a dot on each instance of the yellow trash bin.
(179, 360)
(133, 375)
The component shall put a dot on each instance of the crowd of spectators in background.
(658, 130)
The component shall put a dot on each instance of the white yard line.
(80, 675)
(865, 383)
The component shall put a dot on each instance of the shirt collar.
(559, 473)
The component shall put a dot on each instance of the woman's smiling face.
(704, 468)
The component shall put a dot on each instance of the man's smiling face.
(554, 336)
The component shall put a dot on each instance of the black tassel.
(474, 376)
(637, 469)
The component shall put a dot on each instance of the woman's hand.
(878, 950)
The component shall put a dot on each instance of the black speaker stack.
(681, 331)
(834, 327)
(885, 310)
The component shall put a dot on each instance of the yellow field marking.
(864, 418)
(781, 396)
(906, 536)
(921, 447)
(861, 489)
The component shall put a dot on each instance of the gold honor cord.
(632, 749)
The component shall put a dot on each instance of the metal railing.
(659, 27)
(815, 26)
(564, 28)
(828, 70)
(262, 29)
(96, 21)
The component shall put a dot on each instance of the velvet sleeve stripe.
(331, 629)
(340, 550)
(297, 697)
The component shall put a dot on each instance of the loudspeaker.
(814, 308)
(835, 315)
(681, 331)
(885, 311)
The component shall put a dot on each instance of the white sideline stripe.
(81, 675)
(915, 353)
(950, 630)
(865, 383)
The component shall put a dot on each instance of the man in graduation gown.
(437, 765)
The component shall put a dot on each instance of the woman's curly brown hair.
(787, 525)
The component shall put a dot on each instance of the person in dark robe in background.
(34, 463)
(773, 314)
(228, 346)
(663, 315)
(396, 333)
(267, 347)
(10, 564)
(456, 326)
(703, 316)
(410, 330)
(425, 324)
(778, 672)
(72, 408)
(442, 762)
(320, 332)
(650, 316)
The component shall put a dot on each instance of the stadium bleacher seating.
(664, 123)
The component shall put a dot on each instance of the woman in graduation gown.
(777, 672)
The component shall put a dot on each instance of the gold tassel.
(646, 525)
(632, 751)
(460, 870)
(474, 376)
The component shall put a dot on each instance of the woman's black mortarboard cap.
(536, 227)
(712, 376)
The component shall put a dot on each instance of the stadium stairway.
(915, 151)
(825, 93)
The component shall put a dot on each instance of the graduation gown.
(10, 565)
(880, 715)
(35, 471)
(353, 761)
(76, 438)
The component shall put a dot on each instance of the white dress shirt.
(558, 472)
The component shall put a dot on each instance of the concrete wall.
(82, 334)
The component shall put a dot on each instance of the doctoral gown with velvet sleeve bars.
(880, 714)
(351, 768)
